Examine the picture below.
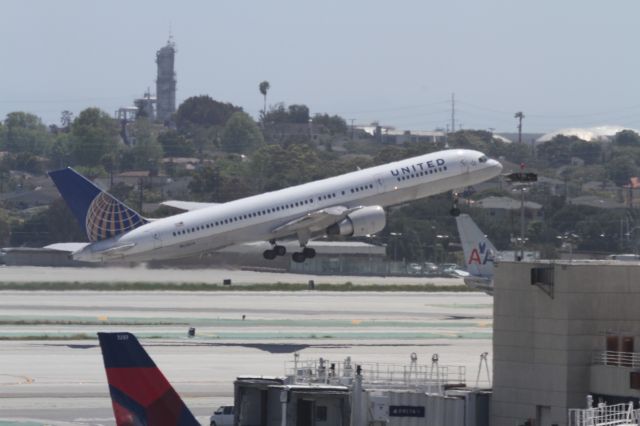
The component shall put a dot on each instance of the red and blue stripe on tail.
(140, 393)
(99, 214)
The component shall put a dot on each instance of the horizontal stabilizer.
(67, 247)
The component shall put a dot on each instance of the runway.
(50, 382)
(210, 276)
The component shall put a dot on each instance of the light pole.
(523, 180)
(396, 235)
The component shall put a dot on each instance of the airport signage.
(406, 411)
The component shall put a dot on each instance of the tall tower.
(166, 82)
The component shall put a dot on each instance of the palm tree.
(264, 88)
(519, 115)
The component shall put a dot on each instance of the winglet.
(98, 213)
(140, 394)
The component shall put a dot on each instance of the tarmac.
(211, 276)
(46, 381)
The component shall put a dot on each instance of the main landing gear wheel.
(276, 250)
(309, 253)
(301, 256)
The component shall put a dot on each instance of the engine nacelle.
(362, 222)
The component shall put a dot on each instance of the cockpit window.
(483, 159)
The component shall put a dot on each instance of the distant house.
(595, 201)
(506, 207)
(185, 163)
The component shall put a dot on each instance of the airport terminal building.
(564, 334)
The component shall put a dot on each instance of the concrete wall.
(543, 346)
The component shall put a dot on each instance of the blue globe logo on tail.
(101, 215)
(107, 217)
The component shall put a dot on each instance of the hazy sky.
(563, 63)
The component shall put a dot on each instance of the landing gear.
(276, 250)
(455, 211)
(301, 256)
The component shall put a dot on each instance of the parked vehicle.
(223, 416)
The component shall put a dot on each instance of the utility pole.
(453, 112)
(521, 181)
(519, 115)
(352, 120)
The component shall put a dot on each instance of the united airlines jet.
(351, 204)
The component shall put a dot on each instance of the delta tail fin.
(98, 213)
(479, 252)
(140, 394)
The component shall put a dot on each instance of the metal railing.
(605, 415)
(323, 371)
(620, 359)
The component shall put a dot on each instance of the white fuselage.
(255, 218)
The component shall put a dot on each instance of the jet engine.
(364, 221)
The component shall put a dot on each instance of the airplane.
(479, 255)
(140, 394)
(351, 204)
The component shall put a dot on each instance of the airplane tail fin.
(479, 252)
(99, 214)
(140, 394)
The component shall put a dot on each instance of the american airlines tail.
(140, 394)
(99, 214)
(479, 254)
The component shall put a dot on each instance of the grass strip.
(278, 286)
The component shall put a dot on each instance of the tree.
(94, 135)
(519, 115)
(5, 229)
(2, 141)
(147, 152)
(557, 151)
(60, 150)
(621, 168)
(589, 152)
(241, 134)
(334, 123)
(203, 111)
(66, 118)
(298, 114)
(175, 144)
(24, 132)
(627, 138)
(278, 114)
(264, 88)
(275, 167)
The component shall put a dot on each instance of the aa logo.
(481, 255)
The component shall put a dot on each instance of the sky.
(570, 63)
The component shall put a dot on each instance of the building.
(166, 83)
(333, 393)
(563, 331)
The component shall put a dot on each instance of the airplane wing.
(315, 221)
(186, 205)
